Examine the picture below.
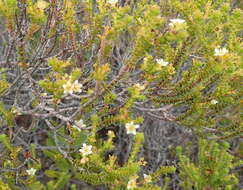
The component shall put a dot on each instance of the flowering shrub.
(72, 69)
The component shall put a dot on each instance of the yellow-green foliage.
(4, 186)
(85, 66)
(212, 170)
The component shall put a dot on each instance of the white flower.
(176, 21)
(131, 128)
(161, 62)
(68, 88)
(77, 86)
(147, 178)
(132, 183)
(44, 94)
(31, 171)
(139, 86)
(86, 150)
(214, 102)
(113, 2)
(220, 51)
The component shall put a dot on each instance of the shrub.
(75, 73)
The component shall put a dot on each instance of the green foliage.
(4, 186)
(6, 115)
(7, 8)
(3, 85)
(211, 170)
(6, 143)
(58, 65)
